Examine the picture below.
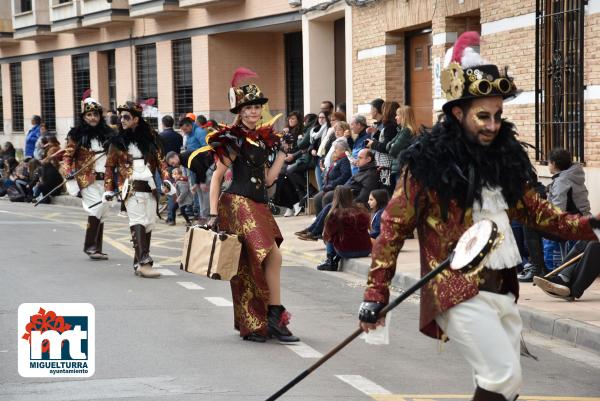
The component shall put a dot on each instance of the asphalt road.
(172, 338)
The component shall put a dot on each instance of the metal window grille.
(1, 110)
(112, 80)
(16, 93)
(293, 71)
(81, 82)
(47, 93)
(146, 77)
(559, 88)
(182, 77)
(25, 5)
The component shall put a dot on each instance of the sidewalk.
(575, 322)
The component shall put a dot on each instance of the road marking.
(303, 350)
(166, 272)
(189, 285)
(218, 301)
(363, 385)
(466, 397)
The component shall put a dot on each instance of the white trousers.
(93, 194)
(487, 329)
(141, 209)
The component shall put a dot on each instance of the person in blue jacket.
(32, 136)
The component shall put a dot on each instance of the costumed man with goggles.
(469, 167)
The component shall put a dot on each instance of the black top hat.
(244, 95)
(467, 77)
(135, 109)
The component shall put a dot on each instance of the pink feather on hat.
(149, 102)
(87, 93)
(467, 39)
(240, 74)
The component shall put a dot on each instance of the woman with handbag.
(242, 209)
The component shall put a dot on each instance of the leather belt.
(141, 186)
(99, 176)
(494, 280)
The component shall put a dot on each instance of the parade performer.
(242, 209)
(470, 167)
(135, 155)
(86, 142)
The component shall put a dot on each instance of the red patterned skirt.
(259, 233)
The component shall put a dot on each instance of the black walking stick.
(69, 177)
(99, 202)
(470, 251)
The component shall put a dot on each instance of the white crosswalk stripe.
(166, 272)
(189, 285)
(303, 350)
(218, 301)
(362, 384)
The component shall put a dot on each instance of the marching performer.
(470, 167)
(135, 155)
(242, 209)
(87, 142)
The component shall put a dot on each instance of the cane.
(69, 177)
(99, 202)
(470, 252)
(564, 266)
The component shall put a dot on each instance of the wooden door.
(419, 75)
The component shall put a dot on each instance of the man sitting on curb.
(575, 279)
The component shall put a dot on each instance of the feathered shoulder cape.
(230, 140)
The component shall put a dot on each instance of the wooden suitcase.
(211, 254)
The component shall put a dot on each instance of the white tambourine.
(125, 189)
(474, 245)
(172, 189)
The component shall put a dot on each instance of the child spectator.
(378, 200)
(346, 233)
(184, 196)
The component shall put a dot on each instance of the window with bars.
(25, 6)
(145, 57)
(293, 72)
(47, 93)
(182, 77)
(559, 88)
(1, 110)
(112, 80)
(16, 94)
(81, 82)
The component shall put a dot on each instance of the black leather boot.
(255, 338)
(484, 395)
(278, 319)
(329, 264)
(91, 232)
(99, 255)
(141, 246)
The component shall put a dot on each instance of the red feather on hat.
(149, 102)
(467, 39)
(86, 94)
(240, 74)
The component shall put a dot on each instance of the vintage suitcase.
(211, 254)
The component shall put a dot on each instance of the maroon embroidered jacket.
(122, 162)
(437, 238)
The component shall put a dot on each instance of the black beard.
(440, 160)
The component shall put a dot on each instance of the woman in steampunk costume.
(242, 209)
(470, 167)
(87, 142)
(135, 155)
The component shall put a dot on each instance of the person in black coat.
(171, 140)
(339, 173)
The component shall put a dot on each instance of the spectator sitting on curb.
(378, 200)
(346, 233)
(575, 279)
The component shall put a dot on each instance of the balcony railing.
(32, 23)
(154, 8)
(65, 17)
(97, 13)
(209, 3)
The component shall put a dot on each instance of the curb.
(574, 332)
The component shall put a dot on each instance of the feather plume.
(149, 102)
(240, 74)
(467, 39)
(86, 94)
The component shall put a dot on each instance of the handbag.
(209, 253)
